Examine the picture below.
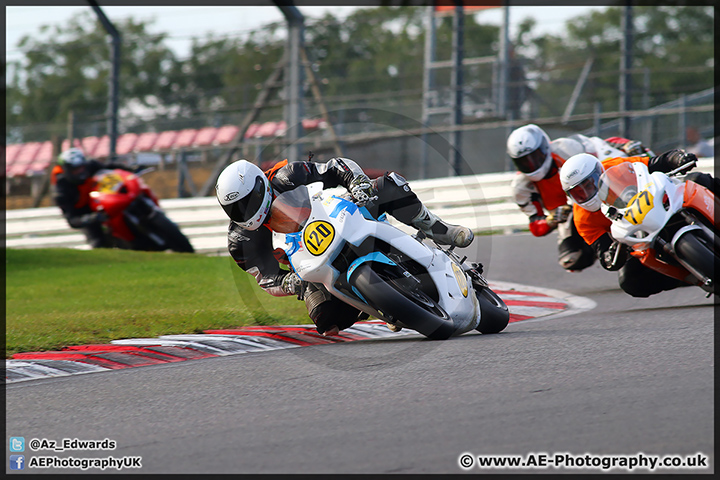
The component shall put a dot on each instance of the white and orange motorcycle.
(667, 221)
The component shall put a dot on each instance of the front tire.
(399, 306)
(158, 233)
(494, 314)
(165, 228)
(698, 252)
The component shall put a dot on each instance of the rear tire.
(698, 252)
(398, 305)
(494, 314)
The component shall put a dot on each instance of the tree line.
(372, 51)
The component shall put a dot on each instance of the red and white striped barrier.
(524, 302)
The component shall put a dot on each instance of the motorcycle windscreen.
(618, 185)
(290, 211)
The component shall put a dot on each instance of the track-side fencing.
(480, 202)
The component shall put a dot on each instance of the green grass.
(61, 297)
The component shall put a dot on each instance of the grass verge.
(61, 297)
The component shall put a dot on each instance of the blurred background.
(427, 91)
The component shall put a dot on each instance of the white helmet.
(244, 193)
(579, 177)
(529, 149)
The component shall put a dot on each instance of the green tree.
(225, 74)
(371, 50)
(674, 43)
(373, 57)
(69, 70)
(380, 52)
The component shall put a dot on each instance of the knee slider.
(574, 254)
(397, 179)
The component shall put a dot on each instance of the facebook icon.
(17, 462)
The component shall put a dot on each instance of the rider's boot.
(444, 233)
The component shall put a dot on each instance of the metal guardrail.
(480, 202)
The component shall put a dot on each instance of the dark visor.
(530, 162)
(247, 207)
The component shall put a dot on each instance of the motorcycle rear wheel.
(413, 309)
(494, 316)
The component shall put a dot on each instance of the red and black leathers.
(74, 201)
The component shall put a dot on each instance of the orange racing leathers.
(547, 206)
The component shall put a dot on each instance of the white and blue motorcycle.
(381, 270)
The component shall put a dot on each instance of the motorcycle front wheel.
(175, 240)
(494, 314)
(414, 308)
(158, 233)
(698, 252)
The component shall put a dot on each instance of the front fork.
(668, 248)
(140, 211)
(691, 220)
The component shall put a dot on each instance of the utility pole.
(456, 85)
(626, 60)
(112, 121)
(71, 128)
(428, 84)
(294, 78)
(504, 72)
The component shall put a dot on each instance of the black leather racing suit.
(253, 252)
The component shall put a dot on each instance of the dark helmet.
(74, 165)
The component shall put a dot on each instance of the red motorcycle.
(135, 220)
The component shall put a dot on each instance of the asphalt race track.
(632, 378)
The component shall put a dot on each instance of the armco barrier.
(481, 202)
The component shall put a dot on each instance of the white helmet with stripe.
(579, 177)
(244, 193)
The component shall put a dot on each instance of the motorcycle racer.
(246, 193)
(579, 177)
(71, 180)
(537, 191)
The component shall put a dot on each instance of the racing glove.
(292, 284)
(559, 215)
(362, 190)
(633, 148)
(670, 160)
(539, 226)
